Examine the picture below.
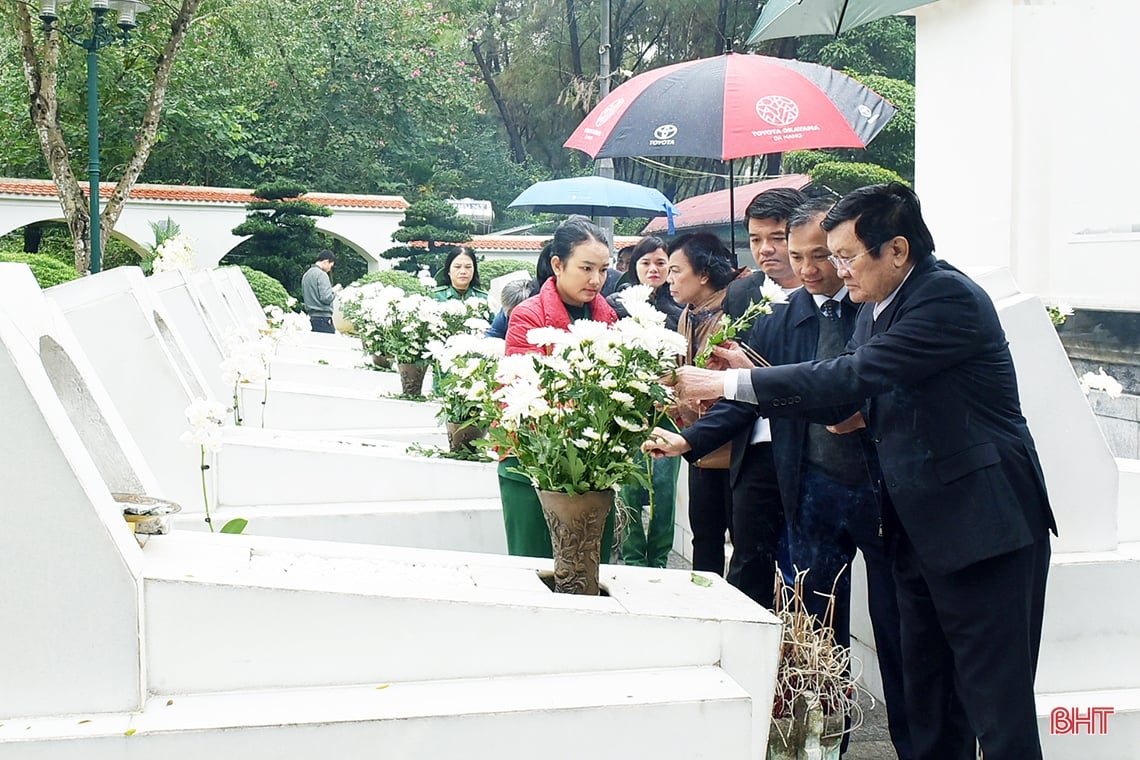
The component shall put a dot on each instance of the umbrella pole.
(731, 211)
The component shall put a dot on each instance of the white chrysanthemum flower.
(592, 434)
(630, 425)
(587, 329)
(773, 292)
(1101, 381)
(206, 419)
(622, 398)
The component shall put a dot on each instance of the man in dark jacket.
(965, 512)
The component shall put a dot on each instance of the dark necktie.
(830, 309)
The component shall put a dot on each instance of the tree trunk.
(575, 45)
(518, 150)
(41, 78)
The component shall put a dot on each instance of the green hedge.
(47, 270)
(396, 278)
(489, 269)
(269, 292)
(843, 176)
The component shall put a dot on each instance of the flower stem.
(205, 493)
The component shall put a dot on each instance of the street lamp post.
(101, 35)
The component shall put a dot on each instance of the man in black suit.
(964, 506)
(828, 483)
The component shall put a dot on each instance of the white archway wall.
(368, 231)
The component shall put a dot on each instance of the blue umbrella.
(595, 196)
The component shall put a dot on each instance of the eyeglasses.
(843, 263)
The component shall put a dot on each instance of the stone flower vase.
(576, 522)
(412, 378)
(461, 436)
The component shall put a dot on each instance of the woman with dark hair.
(459, 276)
(649, 265)
(700, 270)
(578, 258)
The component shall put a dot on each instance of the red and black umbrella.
(732, 106)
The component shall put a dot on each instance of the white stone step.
(1117, 737)
(1088, 640)
(333, 355)
(264, 467)
(469, 525)
(682, 713)
(359, 378)
(293, 406)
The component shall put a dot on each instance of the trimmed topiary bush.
(843, 177)
(489, 269)
(269, 292)
(396, 279)
(47, 270)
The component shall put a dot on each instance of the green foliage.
(489, 269)
(268, 291)
(843, 177)
(395, 278)
(884, 47)
(47, 270)
(803, 161)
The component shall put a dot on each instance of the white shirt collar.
(882, 305)
(839, 296)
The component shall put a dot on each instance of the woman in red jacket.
(579, 258)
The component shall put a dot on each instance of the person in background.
(700, 270)
(649, 265)
(514, 293)
(767, 216)
(578, 258)
(624, 259)
(460, 276)
(318, 294)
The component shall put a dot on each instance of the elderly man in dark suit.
(964, 506)
(828, 483)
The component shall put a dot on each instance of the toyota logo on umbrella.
(664, 135)
(777, 110)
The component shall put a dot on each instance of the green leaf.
(700, 580)
(236, 525)
(129, 732)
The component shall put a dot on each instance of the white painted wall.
(1024, 122)
(209, 224)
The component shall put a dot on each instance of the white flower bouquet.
(175, 252)
(400, 326)
(466, 382)
(575, 417)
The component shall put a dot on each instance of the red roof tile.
(189, 193)
(712, 208)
